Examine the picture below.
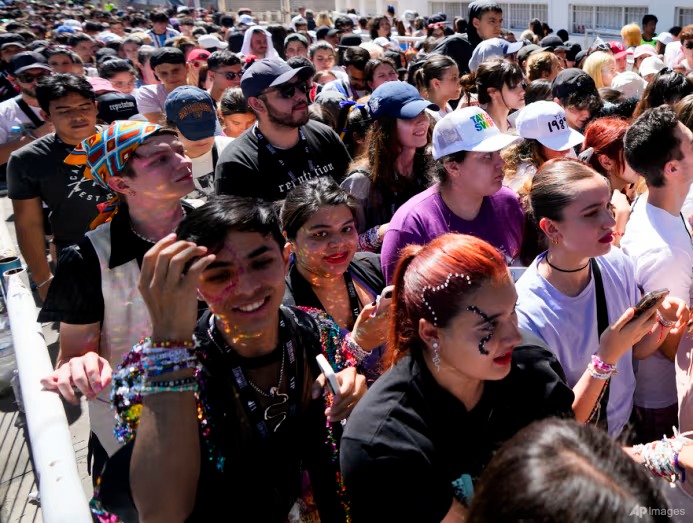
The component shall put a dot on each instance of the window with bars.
(684, 16)
(604, 19)
(515, 16)
(449, 8)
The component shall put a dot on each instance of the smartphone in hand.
(649, 300)
(330, 377)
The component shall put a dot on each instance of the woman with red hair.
(603, 151)
(461, 381)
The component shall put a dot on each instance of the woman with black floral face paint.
(457, 385)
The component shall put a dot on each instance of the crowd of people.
(487, 236)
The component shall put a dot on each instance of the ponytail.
(401, 330)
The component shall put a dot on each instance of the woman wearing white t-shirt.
(439, 77)
(559, 294)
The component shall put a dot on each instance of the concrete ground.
(17, 480)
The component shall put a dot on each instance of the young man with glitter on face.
(234, 418)
(94, 293)
(461, 379)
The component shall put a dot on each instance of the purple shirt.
(425, 217)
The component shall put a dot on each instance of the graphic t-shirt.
(203, 169)
(37, 171)
(246, 168)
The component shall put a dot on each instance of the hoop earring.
(436, 357)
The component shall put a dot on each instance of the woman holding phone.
(581, 289)
(327, 274)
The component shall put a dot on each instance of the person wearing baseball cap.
(468, 198)
(193, 113)
(169, 66)
(494, 48)
(546, 135)
(26, 70)
(575, 91)
(395, 167)
(284, 148)
(620, 54)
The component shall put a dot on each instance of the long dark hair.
(491, 74)
(561, 470)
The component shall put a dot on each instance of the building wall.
(605, 17)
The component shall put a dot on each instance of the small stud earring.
(436, 357)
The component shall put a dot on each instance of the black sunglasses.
(289, 90)
(29, 78)
(689, 45)
(230, 75)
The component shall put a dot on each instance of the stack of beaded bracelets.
(164, 357)
(662, 457)
(599, 369)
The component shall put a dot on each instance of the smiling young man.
(36, 174)
(285, 148)
(169, 66)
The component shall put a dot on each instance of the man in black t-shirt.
(36, 173)
(285, 149)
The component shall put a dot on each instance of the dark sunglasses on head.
(289, 90)
(230, 75)
(29, 78)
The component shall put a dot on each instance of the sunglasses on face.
(29, 78)
(688, 45)
(289, 90)
(230, 75)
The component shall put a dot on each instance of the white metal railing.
(61, 492)
(62, 495)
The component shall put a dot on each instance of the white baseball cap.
(630, 84)
(546, 122)
(665, 37)
(644, 50)
(246, 20)
(651, 65)
(468, 129)
(211, 42)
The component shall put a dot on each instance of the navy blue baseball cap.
(399, 100)
(193, 111)
(266, 73)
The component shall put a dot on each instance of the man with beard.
(284, 148)
(23, 111)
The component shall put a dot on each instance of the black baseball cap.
(11, 39)
(551, 41)
(115, 106)
(527, 50)
(166, 55)
(572, 50)
(27, 60)
(321, 32)
(572, 80)
(349, 40)
(266, 73)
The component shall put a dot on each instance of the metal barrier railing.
(61, 493)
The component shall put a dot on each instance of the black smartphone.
(649, 300)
